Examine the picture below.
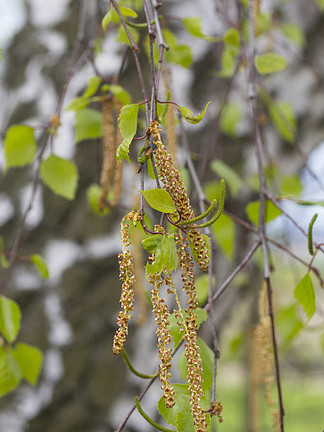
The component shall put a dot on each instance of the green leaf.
(232, 42)
(93, 194)
(3, 259)
(294, 33)
(185, 422)
(271, 212)
(40, 265)
(291, 185)
(112, 15)
(231, 114)
(164, 249)
(182, 404)
(188, 115)
(284, 119)
(119, 92)
(289, 324)
(228, 64)
(232, 179)
(88, 124)
(123, 37)
(180, 55)
(174, 328)
(30, 361)
(60, 175)
(20, 146)
(264, 21)
(93, 86)
(128, 127)
(207, 362)
(269, 63)
(224, 233)
(305, 295)
(10, 373)
(78, 103)
(159, 199)
(201, 285)
(193, 26)
(10, 317)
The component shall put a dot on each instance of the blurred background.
(71, 316)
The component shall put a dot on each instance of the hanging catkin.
(109, 150)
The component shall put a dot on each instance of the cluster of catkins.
(187, 320)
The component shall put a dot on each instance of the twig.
(262, 198)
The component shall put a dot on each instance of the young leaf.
(128, 127)
(10, 373)
(40, 265)
(224, 232)
(112, 15)
(271, 212)
(188, 115)
(232, 179)
(294, 33)
(180, 55)
(159, 199)
(182, 404)
(60, 175)
(119, 92)
(78, 104)
(269, 63)
(291, 185)
(232, 41)
(284, 119)
(174, 328)
(227, 62)
(93, 194)
(30, 361)
(165, 253)
(20, 146)
(230, 116)
(3, 259)
(88, 124)
(92, 87)
(305, 295)
(193, 26)
(10, 316)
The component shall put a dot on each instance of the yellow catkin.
(170, 122)
(164, 339)
(126, 274)
(174, 185)
(256, 12)
(109, 150)
(194, 367)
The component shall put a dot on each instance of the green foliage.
(269, 63)
(3, 259)
(294, 33)
(230, 116)
(305, 295)
(290, 185)
(40, 265)
(88, 124)
(20, 146)
(233, 180)
(60, 175)
(81, 102)
(188, 115)
(207, 361)
(119, 92)
(123, 37)
(201, 284)
(194, 27)
(159, 199)
(112, 16)
(165, 253)
(289, 324)
(93, 194)
(30, 361)
(10, 373)
(128, 127)
(232, 48)
(174, 328)
(10, 317)
(224, 233)
(284, 119)
(271, 211)
(178, 54)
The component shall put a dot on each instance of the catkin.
(109, 150)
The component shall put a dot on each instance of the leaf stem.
(149, 420)
(133, 370)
